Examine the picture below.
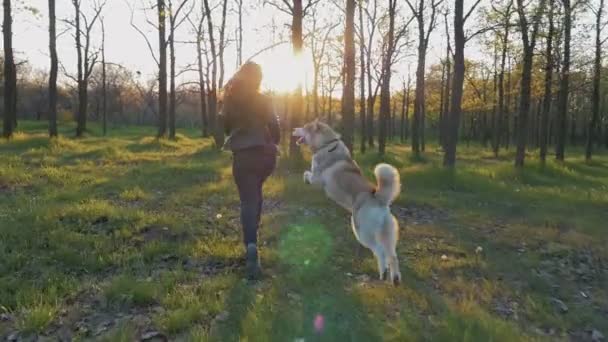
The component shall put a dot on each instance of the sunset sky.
(125, 46)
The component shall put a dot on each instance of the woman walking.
(254, 134)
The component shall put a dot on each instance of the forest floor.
(131, 238)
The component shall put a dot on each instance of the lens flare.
(319, 323)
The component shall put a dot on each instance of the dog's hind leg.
(388, 241)
(381, 259)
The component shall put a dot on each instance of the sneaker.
(252, 262)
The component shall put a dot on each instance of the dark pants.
(250, 169)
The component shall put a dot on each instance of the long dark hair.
(240, 94)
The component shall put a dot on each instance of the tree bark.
(103, 78)
(362, 80)
(348, 93)
(201, 79)
(501, 119)
(449, 159)
(529, 41)
(54, 70)
(385, 90)
(297, 42)
(548, 96)
(162, 69)
(592, 135)
(562, 109)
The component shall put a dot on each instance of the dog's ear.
(315, 125)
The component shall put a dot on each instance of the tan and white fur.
(334, 170)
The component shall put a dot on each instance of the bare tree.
(86, 57)
(54, 70)
(505, 20)
(348, 92)
(422, 12)
(319, 38)
(239, 33)
(10, 73)
(217, 65)
(548, 96)
(385, 92)
(198, 28)
(103, 78)
(405, 107)
(361, 36)
(529, 42)
(593, 130)
(564, 86)
(460, 18)
(297, 10)
(174, 22)
(372, 24)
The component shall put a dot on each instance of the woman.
(254, 133)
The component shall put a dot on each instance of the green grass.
(128, 234)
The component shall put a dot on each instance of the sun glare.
(284, 72)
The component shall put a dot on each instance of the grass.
(110, 238)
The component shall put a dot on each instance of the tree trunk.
(54, 70)
(201, 81)
(162, 70)
(103, 79)
(385, 90)
(529, 41)
(81, 97)
(592, 135)
(449, 159)
(562, 108)
(297, 42)
(362, 80)
(419, 96)
(446, 102)
(548, 97)
(348, 92)
(172, 94)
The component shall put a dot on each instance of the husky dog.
(334, 170)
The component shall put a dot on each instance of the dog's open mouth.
(300, 136)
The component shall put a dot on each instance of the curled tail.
(389, 184)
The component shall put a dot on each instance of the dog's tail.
(389, 184)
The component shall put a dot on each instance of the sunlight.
(284, 72)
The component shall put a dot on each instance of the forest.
(118, 215)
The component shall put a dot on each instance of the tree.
(174, 22)
(362, 108)
(405, 104)
(217, 64)
(86, 58)
(505, 22)
(448, 83)
(319, 38)
(348, 92)
(297, 10)
(548, 96)
(564, 86)
(449, 158)
(54, 70)
(103, 78)
(421, 13)
(161, 61)
(198, 27)
(10, 73)
(529, 42)
(385, 92)
(372, 92)
(592, 134)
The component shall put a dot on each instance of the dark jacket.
(252, 125)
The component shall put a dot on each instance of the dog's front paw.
(307, 177)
